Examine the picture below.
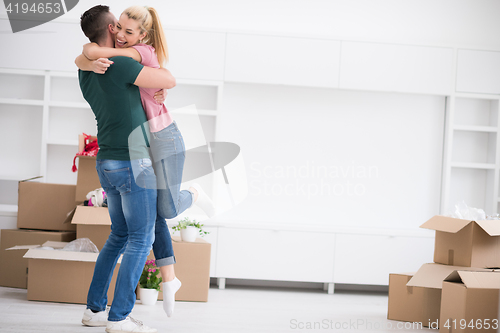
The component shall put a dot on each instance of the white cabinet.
(196, 55)
(275, 255)
(50, 46)
(212, 237)
(369, 259)
(478, 71)
(398, 68)
(282, 60)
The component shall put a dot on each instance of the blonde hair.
(149, 21)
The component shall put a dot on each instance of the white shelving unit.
(43, 112)
(471, 156)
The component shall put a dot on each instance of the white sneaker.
(204, 201)
(95, 319)
(128, 324)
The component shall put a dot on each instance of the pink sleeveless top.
(157, 114)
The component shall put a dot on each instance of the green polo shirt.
(116, 103)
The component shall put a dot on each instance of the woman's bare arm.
(160, 78)
(99, 66)
(94, 51)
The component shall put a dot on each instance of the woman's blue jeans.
(132, 209)
(169, 153)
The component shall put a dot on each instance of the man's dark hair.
(94, 23)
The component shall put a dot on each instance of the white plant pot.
(148, 296)
(189, 234)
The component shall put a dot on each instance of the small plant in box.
(189, 229)
(149, 278)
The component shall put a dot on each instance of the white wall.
(472, 23)
(365, 123)
(333, 157)
(449, 22)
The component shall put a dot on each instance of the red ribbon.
(90, 149)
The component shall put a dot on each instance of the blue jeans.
(132, 209)
(168, 152)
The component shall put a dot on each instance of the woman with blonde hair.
(139, 35)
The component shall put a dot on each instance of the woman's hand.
(100, 66)
(160, 96)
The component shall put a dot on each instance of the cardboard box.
(87, 178)
(62, 276)
(93, 223)
(430, 277)
(464, 242)
(413, 304)
(192, 268)
(470, 302)
(45, 206)
(13, 267)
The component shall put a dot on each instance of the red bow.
(91, 148)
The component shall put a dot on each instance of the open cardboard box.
(13, 267)
(465, 242)
(470, 302)
(62, 276)
(93, 223)
(419, 300)
(45, 206)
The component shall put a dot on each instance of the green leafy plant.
(149, 278)
(186, 222)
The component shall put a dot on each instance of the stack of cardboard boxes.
(44, 214)
(459, 292)
(65, 276)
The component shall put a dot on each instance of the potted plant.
(189, 229)
(149, 283)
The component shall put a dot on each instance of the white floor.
(235, 309)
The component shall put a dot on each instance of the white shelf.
(22, 71)
(489, 129)
(15, 101)
(320, 228)
(477, 96)
(8, 210)
(61, 142)
(64, 74)
(10, 177)
(487, 166)
(202, 112)
(200, 82)
(81, 105)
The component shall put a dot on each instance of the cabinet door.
(399, 68)
(275, 255)
(282, 60)
(478, 71)
(196, 55)
(368, 259)
(212, 239)
(56, 45)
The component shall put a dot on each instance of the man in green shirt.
(115, 100)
